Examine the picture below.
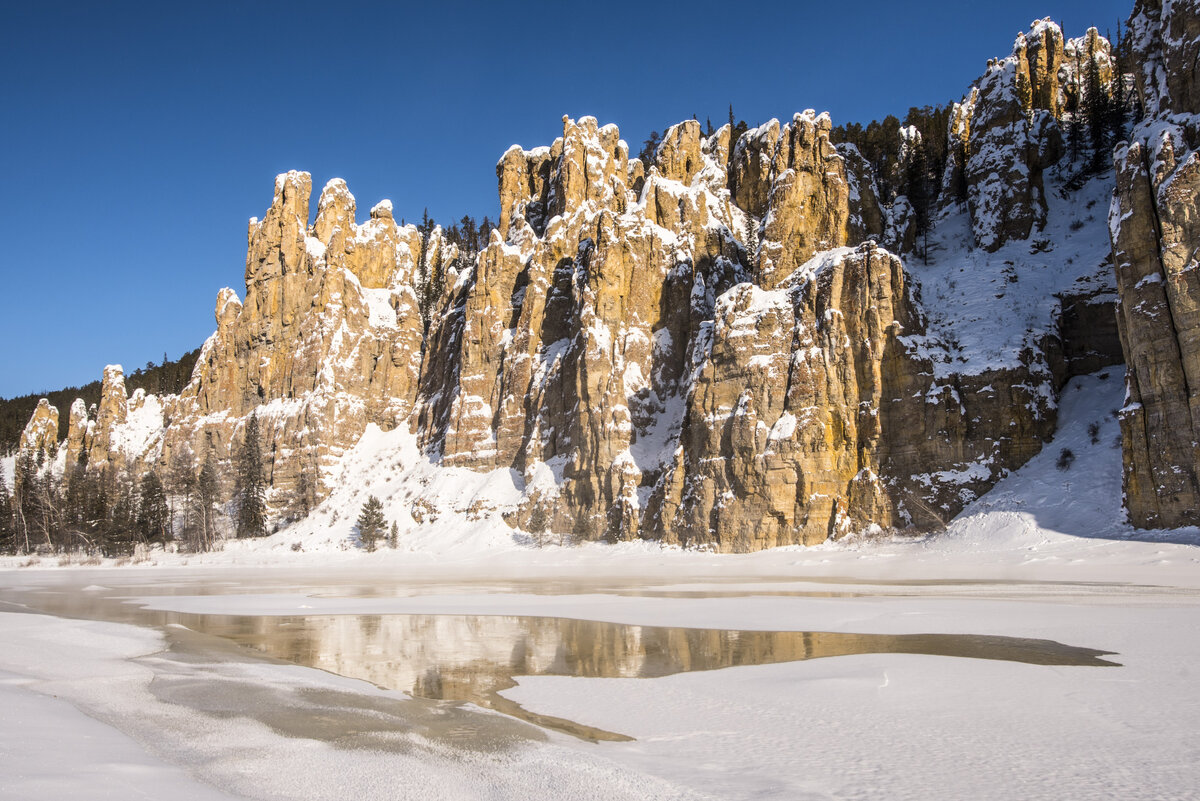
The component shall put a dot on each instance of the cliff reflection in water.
(475, 657)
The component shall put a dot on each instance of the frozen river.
(297, 683)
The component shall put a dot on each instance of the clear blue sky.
(137, 139)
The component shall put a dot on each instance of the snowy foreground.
(102, 709)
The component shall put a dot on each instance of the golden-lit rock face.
(327, 341)
(1155, 228)
(691, 361)
(685, 350)
(717, 345)
(113, 412)
(41, 432)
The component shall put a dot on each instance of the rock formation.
(113, 412)
(722, 345)
(41, 432)
(79, 434)
(1155, 235)
(328, 339)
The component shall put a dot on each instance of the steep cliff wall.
(732, 345)
(1155, 235)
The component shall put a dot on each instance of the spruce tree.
(24, 477)
(8, 542)
(303, 497)
(649, 149)
(206, 496)
(1074, 122)
(250, 490)
(1097, 113)
(121, 532)
(181, 475)
(1118, 107)
(919, 196)
(393, 538)
(154, 516)
(371, 524)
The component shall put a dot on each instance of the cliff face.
(1010, 134)
(702, 360)
(41, 432)
(1155, 227)
(733, 345)
(328, 339)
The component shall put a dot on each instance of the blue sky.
(137, 139)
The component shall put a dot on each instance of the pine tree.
(75, 506)
(250, 489)
(304, 492)
(8, 542)
(1118, 107)
(181, 475)
(24, 477)
(1097, 112)
(121, 532)
(371, 523)
(919, 196)
(1074, 121)
(649, 149)
(393, 538)
(154, 516)
(206, 497)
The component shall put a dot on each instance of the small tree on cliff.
(250, 490)
(371, 524)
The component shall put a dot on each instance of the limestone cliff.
(329, 337)
(1156, 235)
(41, 432)
(1008, 132)
(732, 344)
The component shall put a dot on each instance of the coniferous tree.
(1074, 122)
(119, 533)
(205, 499)
(649, 149)
(736, 129)
(24, 514)
(304, 492)
(8, 540)
(1097, 112)
(393, 538)
(76, 503)
(1118, 106)
(154, 515)
(919, 195)
(250, 490)
(371, 523)
(181, 475)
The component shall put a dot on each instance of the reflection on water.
(475, 657)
